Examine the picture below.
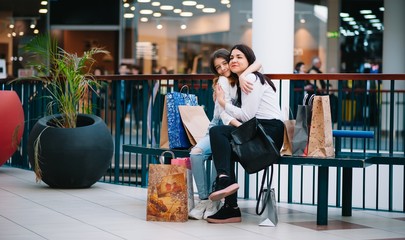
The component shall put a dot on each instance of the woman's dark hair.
(298, 66)
(251, 58)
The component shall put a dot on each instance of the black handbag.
(254, 148)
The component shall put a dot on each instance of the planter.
(12, 124)
(72, 157)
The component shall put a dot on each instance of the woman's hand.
(220, 95)
(245, 85)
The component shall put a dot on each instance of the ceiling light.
(344, 15)
(302, 20)
(144, 19)
(21, 33)
(249, 20)
(177, 10)
(129, 15)
(186, 14)
(365, 11)
(126, 5)
(382, 9)
(376, 20)
(157, 14)
(11, 25)
(199, 6)
(43, 10)
(166, 7)
(369, 16)
(33, 23)
(133, 8)
(156, 4)
(209, 10)
(225, 2)
(348, 19)
(44, 3)
(143, 1)
(146, 11)
(159, 26)
(189, 3)
(352, 22)
(183, 26)
(36, 31)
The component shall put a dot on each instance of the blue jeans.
(198, 155)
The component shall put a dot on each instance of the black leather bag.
(255, 149)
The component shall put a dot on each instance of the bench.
(345, 160)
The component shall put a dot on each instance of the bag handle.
(264, 204)
(185, 87)
(162, 156)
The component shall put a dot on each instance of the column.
(273, 39)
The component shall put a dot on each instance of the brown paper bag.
(167, 193)
(286, 150)
(164, 137)
(195, 122)
(320, 137)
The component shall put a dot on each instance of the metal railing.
(131, 105)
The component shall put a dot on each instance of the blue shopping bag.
(176, 134)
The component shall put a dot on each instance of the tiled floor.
(30, 210)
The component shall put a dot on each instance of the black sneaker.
(226, 214)
(222, 187)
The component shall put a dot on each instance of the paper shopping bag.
(269, 217)
(167, 193)
(320, 137)
(164, 137)
(176, 133)
(185, 162)
(287, 149)
(302, 127)
(195, 122)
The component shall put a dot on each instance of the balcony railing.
(131, 105)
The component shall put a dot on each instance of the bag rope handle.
(264, 204)
(162, 156)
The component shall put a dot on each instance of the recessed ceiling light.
(44, 3)
(382, 9)
(166, 7)
(177, 10)
(143, 1)
(344, 15)
(186, 14)
(129, 15)
(199, 6)
(348, 19)
(352, 23)
(144, 19)
(159, 26)
(157, 14)
(209, 10)
(126, 5)
(146, 11)
(225, 2)
(375, 20)
(43, 10)
(365, 11)
(369, 16)
(189, 3)
(183, 26)
(132, 8)
(156, 4)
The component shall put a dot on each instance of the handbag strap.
(264, 203)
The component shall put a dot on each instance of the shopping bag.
(167, 193)
(195, 122)
(267, 200)
(185, 162)
(176, 134)
(302, 127)
(269, 217)
(287, 149)
(320, 137)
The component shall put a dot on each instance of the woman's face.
(222, 67)
(238, 62)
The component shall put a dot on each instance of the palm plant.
(67, 76)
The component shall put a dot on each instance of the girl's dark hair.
(251, 58)
(224, 54)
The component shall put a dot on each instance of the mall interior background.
(183, 43)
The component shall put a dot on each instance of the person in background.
(262, 103)
(297, 88)
(219, 65)
(315, 85)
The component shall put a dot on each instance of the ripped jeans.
(198, 155)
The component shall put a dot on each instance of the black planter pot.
(72, 157)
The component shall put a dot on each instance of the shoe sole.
(218, 195)
(228, 220)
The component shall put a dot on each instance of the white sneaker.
(212, 208)
(198, 211)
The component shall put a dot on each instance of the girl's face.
(222, 67)
(238, 62)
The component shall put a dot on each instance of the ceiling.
(30, 7)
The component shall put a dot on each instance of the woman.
(201, 152)
(262, 103)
